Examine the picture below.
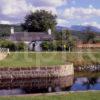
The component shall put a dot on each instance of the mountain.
(80, 28)
(59, 28)
(77, 30)
(83, 28)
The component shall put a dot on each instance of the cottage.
(32, 39)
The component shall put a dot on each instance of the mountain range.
(83, 28)
(80, 28)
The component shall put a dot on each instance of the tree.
(66, 41)
(89, 35)
(39, 21)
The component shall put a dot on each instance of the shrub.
(12, 46)
(46, 45)
(8, 44)
(21, 46)
(50, 46)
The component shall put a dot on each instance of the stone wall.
(37, 77)
(3, 53)
(87, 68)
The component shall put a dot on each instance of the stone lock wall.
(37, 77)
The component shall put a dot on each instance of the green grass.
(70, 96)
(25, 59)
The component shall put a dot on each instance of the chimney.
(12, 30)
(49, 31)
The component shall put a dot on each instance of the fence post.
(8, 52)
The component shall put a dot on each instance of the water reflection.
(80, 84)
(85, 83)
(11, 92)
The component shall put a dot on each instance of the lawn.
(25, 59)
(70, 96)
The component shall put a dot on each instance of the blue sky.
(69, 12)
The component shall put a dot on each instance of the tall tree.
(39, 21)
(65, 38)
(89, 35)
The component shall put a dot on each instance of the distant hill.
(59, 28)
(6, 28)
(77, 30)
(83, 28)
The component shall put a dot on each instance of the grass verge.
(25, 59)
(69, 96)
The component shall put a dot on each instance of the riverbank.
(89, 95)
(33, 59)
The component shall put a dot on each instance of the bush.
(21, 46)
(58, 45)
(12, 46)
(8, 44)
(4, 34)
(46, 45)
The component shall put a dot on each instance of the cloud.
(54, 3)
(15, 10)
(5, 22)
(13, 7)
(73, 12)
(16, 7)
(49, 9)
(62, 22)
(94, 23)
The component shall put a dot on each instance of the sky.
(69, 12)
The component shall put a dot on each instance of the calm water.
(86, 84)
(80, 84)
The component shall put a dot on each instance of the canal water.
(83, 84)
(80, 84)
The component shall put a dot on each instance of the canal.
(80, 84)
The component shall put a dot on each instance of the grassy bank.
(70, 96)
(87, 74)
(25, 59)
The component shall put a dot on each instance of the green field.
(25, 59)
(70, 96)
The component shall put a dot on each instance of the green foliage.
(97, 39)
(65, 40)
(89, 36)
(8, 44)
(39, 21)
(12, 46)
(21, 46)
(47, 46)
(52, 46)
(4, 34)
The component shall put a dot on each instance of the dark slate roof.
(30, 36)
